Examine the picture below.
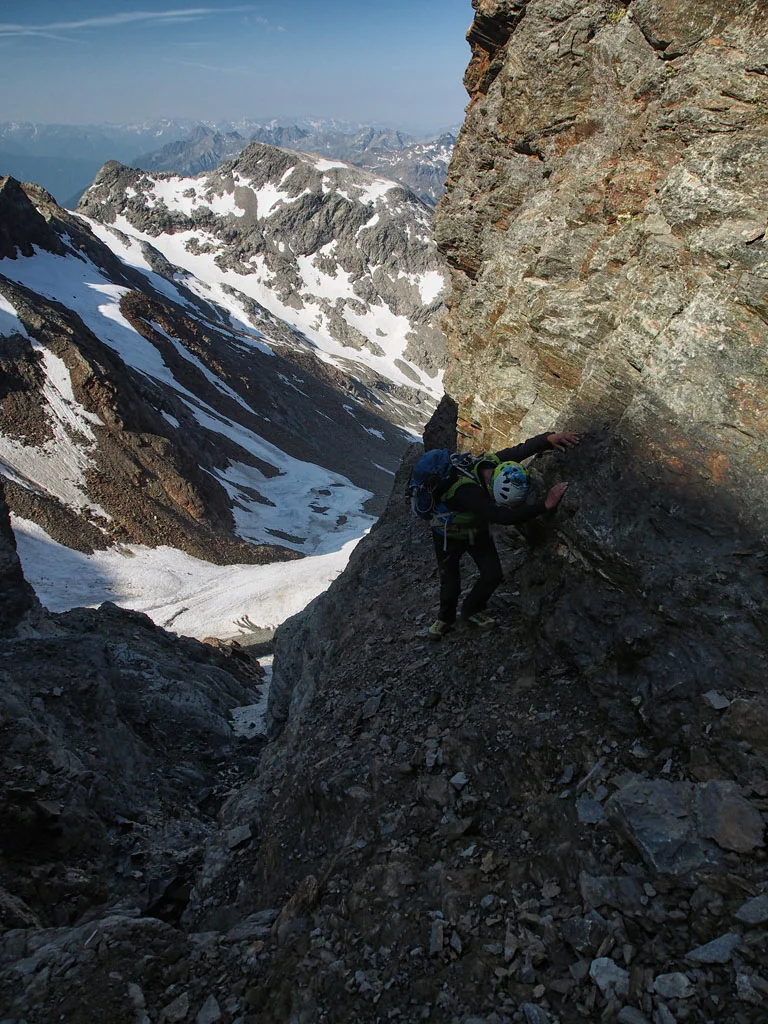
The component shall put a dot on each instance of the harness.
(461, 525)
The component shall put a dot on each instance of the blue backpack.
(432, 475)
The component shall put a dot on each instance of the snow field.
(181, 593)
(208, 279)
(175, 193)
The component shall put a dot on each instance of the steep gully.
(564, 821)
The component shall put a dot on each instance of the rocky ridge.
(420, 165)
(489, 829)
(342, 254)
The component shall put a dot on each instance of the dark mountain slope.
(111, 737)
(538, 823)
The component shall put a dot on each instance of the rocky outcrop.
(605, 220)
(22, 225)
(17, 598)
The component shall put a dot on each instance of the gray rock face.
(608, 149)
(672, 823)
(22, 226)
(609, 977)
(604, 224)
(674, 985)
(347, 251)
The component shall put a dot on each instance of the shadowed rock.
(17, 598)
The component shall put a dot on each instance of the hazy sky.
(79, 61)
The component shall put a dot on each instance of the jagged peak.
(22, 224)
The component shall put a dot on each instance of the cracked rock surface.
(605, 222)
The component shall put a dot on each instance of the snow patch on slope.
(288, 503)
(58, 466)
(177, 591)
(388, 330)
(10, 323)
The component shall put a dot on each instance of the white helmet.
(509, 483)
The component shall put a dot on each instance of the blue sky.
(80, 61)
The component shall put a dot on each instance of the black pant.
(483, 553)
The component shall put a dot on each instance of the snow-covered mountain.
(154, 395)
(346, 257)
(64, 158)
(422, 166)
(419, 165)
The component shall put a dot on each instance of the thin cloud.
(38, 35)
(124, 18)
(208, 67)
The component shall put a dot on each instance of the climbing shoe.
(480, 621)
(438, 629)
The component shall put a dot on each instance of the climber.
(496, 493)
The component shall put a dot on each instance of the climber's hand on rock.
(567, 439)
(552, 500)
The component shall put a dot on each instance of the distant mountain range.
(65, 158)
(420, 166)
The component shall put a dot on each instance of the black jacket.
(477, 500)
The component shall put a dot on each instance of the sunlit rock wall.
(605, 221)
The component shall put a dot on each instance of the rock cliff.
(605, 222)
